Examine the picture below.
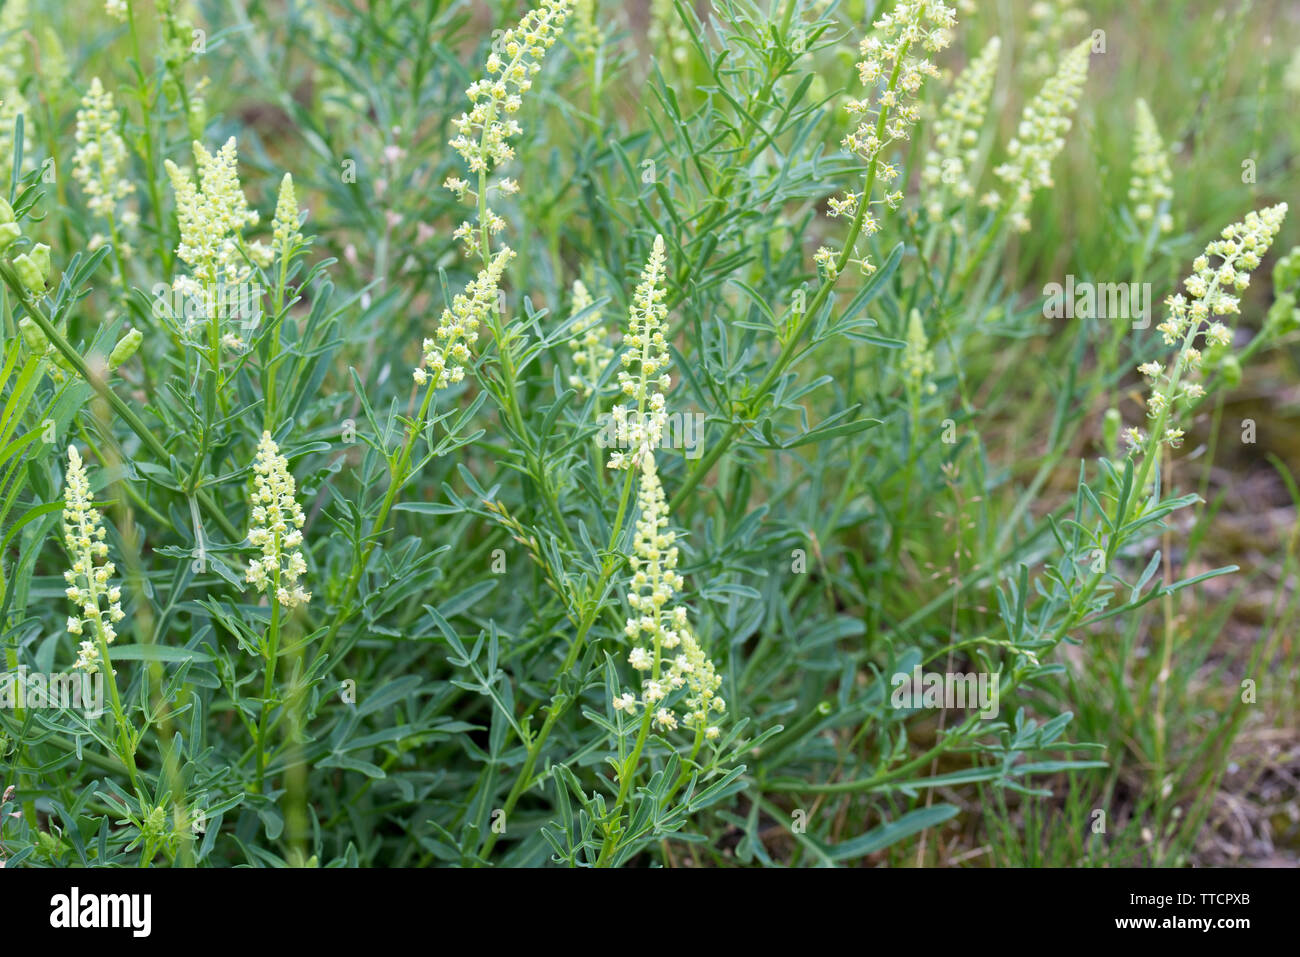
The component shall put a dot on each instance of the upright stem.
(273, 345)
(125, 737)
(556, 710)
(24, 790)
(397, 479)
(791, 346)
(268, 682)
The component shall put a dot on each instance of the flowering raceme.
(212, 215)
(1050, 22)
(955, 144)
(591, 350)
(1238, 252)
(483, 133)
(98, 601)
(1040, 137)
(588, 37)
(447, 354)
(665, 649)
(286, 233)
(644, 376)
(1151, 187)
(924, 24)
(101, 155)
(482, 140)
(276, 530)
(890, 55)
(918, 359)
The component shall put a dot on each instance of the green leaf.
(885, 835)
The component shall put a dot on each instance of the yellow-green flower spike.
(1040, 137)
(285, 225)
(1224, 268)
(643, 378)
(89, 580)
(446, 355)
(591, 348)
(954, 146)
(276, 530)
(212, 212)
(99, 164)
(1151, 187)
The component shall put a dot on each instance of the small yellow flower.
(1051, 22)
(212, 213)
(1238, 252)
(665, 649)
(446, 355)
(644, 378)
(918, 360)
(909, 30)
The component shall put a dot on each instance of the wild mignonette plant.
(449, 435)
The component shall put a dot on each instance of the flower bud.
(6, 211)
(40, 255)
(126, 347)
(9, 234)
(33, 336)
(1110, 426)
(29, 274)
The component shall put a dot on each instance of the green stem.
(802, 323)
(124, 734)
(398, 475)
(119, 407)
(268, 681)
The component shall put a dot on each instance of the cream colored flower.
(1041, 136)
(954, 146)
(446, 355)
(902, 38)
(276, 529)
(483, 134)
(1051, 22)
(591, 349)
(918, 359)
(285, 225)
(643, 378)
(1151, 187)
(483, 141)
(213, 213)
(100, 160)
(664, 647)
(1238, 251)
(89, 580)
